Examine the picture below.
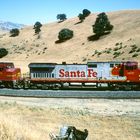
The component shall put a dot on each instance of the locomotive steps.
(121, 44)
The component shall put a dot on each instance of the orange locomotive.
(9, 75)
(128, 69)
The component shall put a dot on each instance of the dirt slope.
(125, 36)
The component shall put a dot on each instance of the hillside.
(125, 36)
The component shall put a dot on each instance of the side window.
(111, 65)
(129, 67)
(92, 65)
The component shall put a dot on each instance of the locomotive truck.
(112, 75)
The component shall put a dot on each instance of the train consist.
(95, 75)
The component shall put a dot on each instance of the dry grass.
(18, 122)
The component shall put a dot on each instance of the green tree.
(102, 25)
(14, 32)
(81, 17)
(3, 52)
(61, 17)
(65, 34)
(86, 12)
(37, 27)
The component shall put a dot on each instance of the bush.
(138, 50)
(132, 51)
(86, 12)
(81, 17)
(116, 54)
(14, 32)
(116, 49)
(65, 34)
(117, 44)
(108, 51)
(37, 27)
(134, 46)
(135, 55)
(3, 52)
(61, 17)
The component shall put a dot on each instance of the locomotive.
(9, 75)
(96, 75)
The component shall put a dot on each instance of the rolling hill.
(6, 26)
(123, 43)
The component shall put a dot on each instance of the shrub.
(108, 51)
(134, 46)
(81, 17)
(14, 32)
(116, 49)
(117, 44)
(65, 34)
(37, 27)
(61, 17)
(135, 55)
(86, 12)
(99, 53)
(3, 52)
(138, 50)
(132, 51)
(84, 59)
(96, 52)
(116, 54)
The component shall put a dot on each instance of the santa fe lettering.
(63, 73)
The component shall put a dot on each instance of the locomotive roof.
(95, 62)
(6, 63)
(41, 65)
(52, 65)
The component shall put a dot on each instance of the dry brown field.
(34, 119)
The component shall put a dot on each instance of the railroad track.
(71, 94)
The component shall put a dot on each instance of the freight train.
(93, 75)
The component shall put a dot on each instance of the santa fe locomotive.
(96, 75)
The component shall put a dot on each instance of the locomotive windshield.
(131, 65)
(6, 66)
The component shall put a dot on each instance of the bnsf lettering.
(63, 73)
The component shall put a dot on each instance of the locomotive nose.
(13, 73)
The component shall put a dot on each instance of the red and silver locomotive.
(94, 74)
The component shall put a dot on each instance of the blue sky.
(45, 11)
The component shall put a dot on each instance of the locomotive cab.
(131, 71)
(128, 69)
(9, 75)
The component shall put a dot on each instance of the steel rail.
(71, 94)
